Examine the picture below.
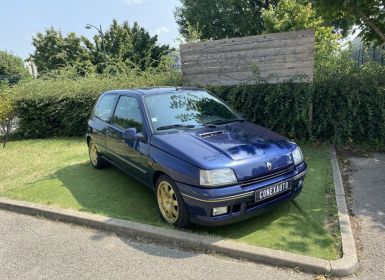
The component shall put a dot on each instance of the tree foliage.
(291, 15)
(61, 106)
(217, 19)
(54, 51)
(368, 15)
(7, 113)
(12, 68)
(116, 50)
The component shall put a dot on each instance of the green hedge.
(61, 106)
(348, 104)
(344, 106)
(280, 107)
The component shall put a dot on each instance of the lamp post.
(100, 31)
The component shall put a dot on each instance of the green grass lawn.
(57, 172)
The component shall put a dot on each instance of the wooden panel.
(252, 46)
(276, 57)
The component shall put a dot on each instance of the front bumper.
(239, 199)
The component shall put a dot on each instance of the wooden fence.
(273, 58)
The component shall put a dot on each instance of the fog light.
(220, 210)
(300, 183)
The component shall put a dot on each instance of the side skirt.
(128, 173)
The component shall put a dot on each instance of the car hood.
(243, 146)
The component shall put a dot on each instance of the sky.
(21, 19)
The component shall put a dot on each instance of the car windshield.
(187, 109)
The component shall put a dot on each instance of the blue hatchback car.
(206, 164)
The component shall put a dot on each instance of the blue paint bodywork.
(180, 154)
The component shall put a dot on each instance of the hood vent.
(212, 133)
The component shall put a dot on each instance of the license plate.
(271, 191)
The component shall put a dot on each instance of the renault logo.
(269, 165)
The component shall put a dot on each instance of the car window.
(105, 107)
(186, 108)
(128, 114)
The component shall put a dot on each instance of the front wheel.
(170, 203)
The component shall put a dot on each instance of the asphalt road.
(35, 248)
(367, 180)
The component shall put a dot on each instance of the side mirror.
(132, 135)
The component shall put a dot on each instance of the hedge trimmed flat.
(205, 163)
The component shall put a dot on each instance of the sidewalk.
(367, 182)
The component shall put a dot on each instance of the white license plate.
(271, 191)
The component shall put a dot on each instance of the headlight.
(217, 177)
(297, 155)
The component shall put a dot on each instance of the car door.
(98, 123)
(132, 156)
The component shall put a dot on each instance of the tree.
(7, 113)
(53, 51)
(145, 46)
(117, 50)
(368, 15)
(12, 68)
(131, 45)
(217, 19)
(291, 15)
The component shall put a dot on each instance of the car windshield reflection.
(185, 109)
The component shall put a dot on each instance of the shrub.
(12, 68)
(344, 104)
(349, 104)
(60, 106)
(280, 107)
(7, 113)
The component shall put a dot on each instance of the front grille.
(268, 176)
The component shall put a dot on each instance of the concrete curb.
(348, 264)
(342, 267)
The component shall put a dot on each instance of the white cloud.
(133, 2)
(161, 30)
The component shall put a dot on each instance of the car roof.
(150, 90)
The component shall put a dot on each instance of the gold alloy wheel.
(167, 202)
(93, 154)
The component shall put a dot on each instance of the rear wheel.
(96, 160)
(171, 206)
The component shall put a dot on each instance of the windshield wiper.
(217, 122)
(171, 126)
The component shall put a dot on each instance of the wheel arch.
(88, 140)
(156, 176)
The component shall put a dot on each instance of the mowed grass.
(57, 172)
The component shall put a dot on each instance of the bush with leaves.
(292, 15)
(115, 51)
(7, 113)
(348, 101)
(348, 104)
(12, 68)
(60, 105)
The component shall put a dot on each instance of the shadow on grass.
(296, 227)
(111, 192)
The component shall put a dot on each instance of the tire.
(95, 158)
(170, 203)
